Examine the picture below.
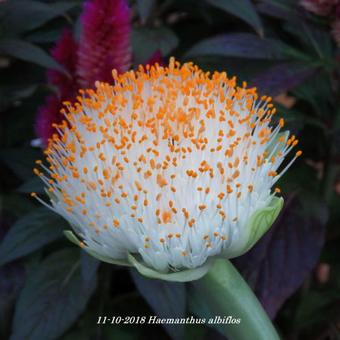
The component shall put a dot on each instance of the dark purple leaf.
(167, 299)
(26, 51)
(281, 78)
(145, 8)
(277, 266)
(89, 266)
(242, 45)
(243, 9)
(30, 233)
(276, 10)
(12, 277)
(54, 296)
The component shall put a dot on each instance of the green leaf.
(282, 77)
(167, 299)
(294, 118)
(316, 92)
(26, 51)
(43, 36)
(12, 279)
(89, 266)
(181, 276)
(315, 307)
(30, 233)
(25, 15)
(123, 333)
(146, 41)
(20, 161)
(279, 9)
(144, 8)
(84, 328)
(316, 40)
(241, 45)
(243, 9)
(257, 225)
(16, 204)
(10, 94)
(53, 298)
(35, 184)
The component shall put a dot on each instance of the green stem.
(223, 292)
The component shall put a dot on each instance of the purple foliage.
(281, 78)
(279, 263)
(12, 277)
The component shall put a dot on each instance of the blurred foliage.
(50, 290)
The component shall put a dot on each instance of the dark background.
(287, 48)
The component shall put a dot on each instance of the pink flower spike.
(319, 7)
(104, 41)
(155, 58)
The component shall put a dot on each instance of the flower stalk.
(223, 292)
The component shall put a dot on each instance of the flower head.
(167, 168)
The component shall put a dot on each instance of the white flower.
(168, 165)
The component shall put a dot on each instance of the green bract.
(258, 224)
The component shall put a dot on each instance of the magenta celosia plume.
(319, 7)
(105, 41)
(104, 45)
(156, 58)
